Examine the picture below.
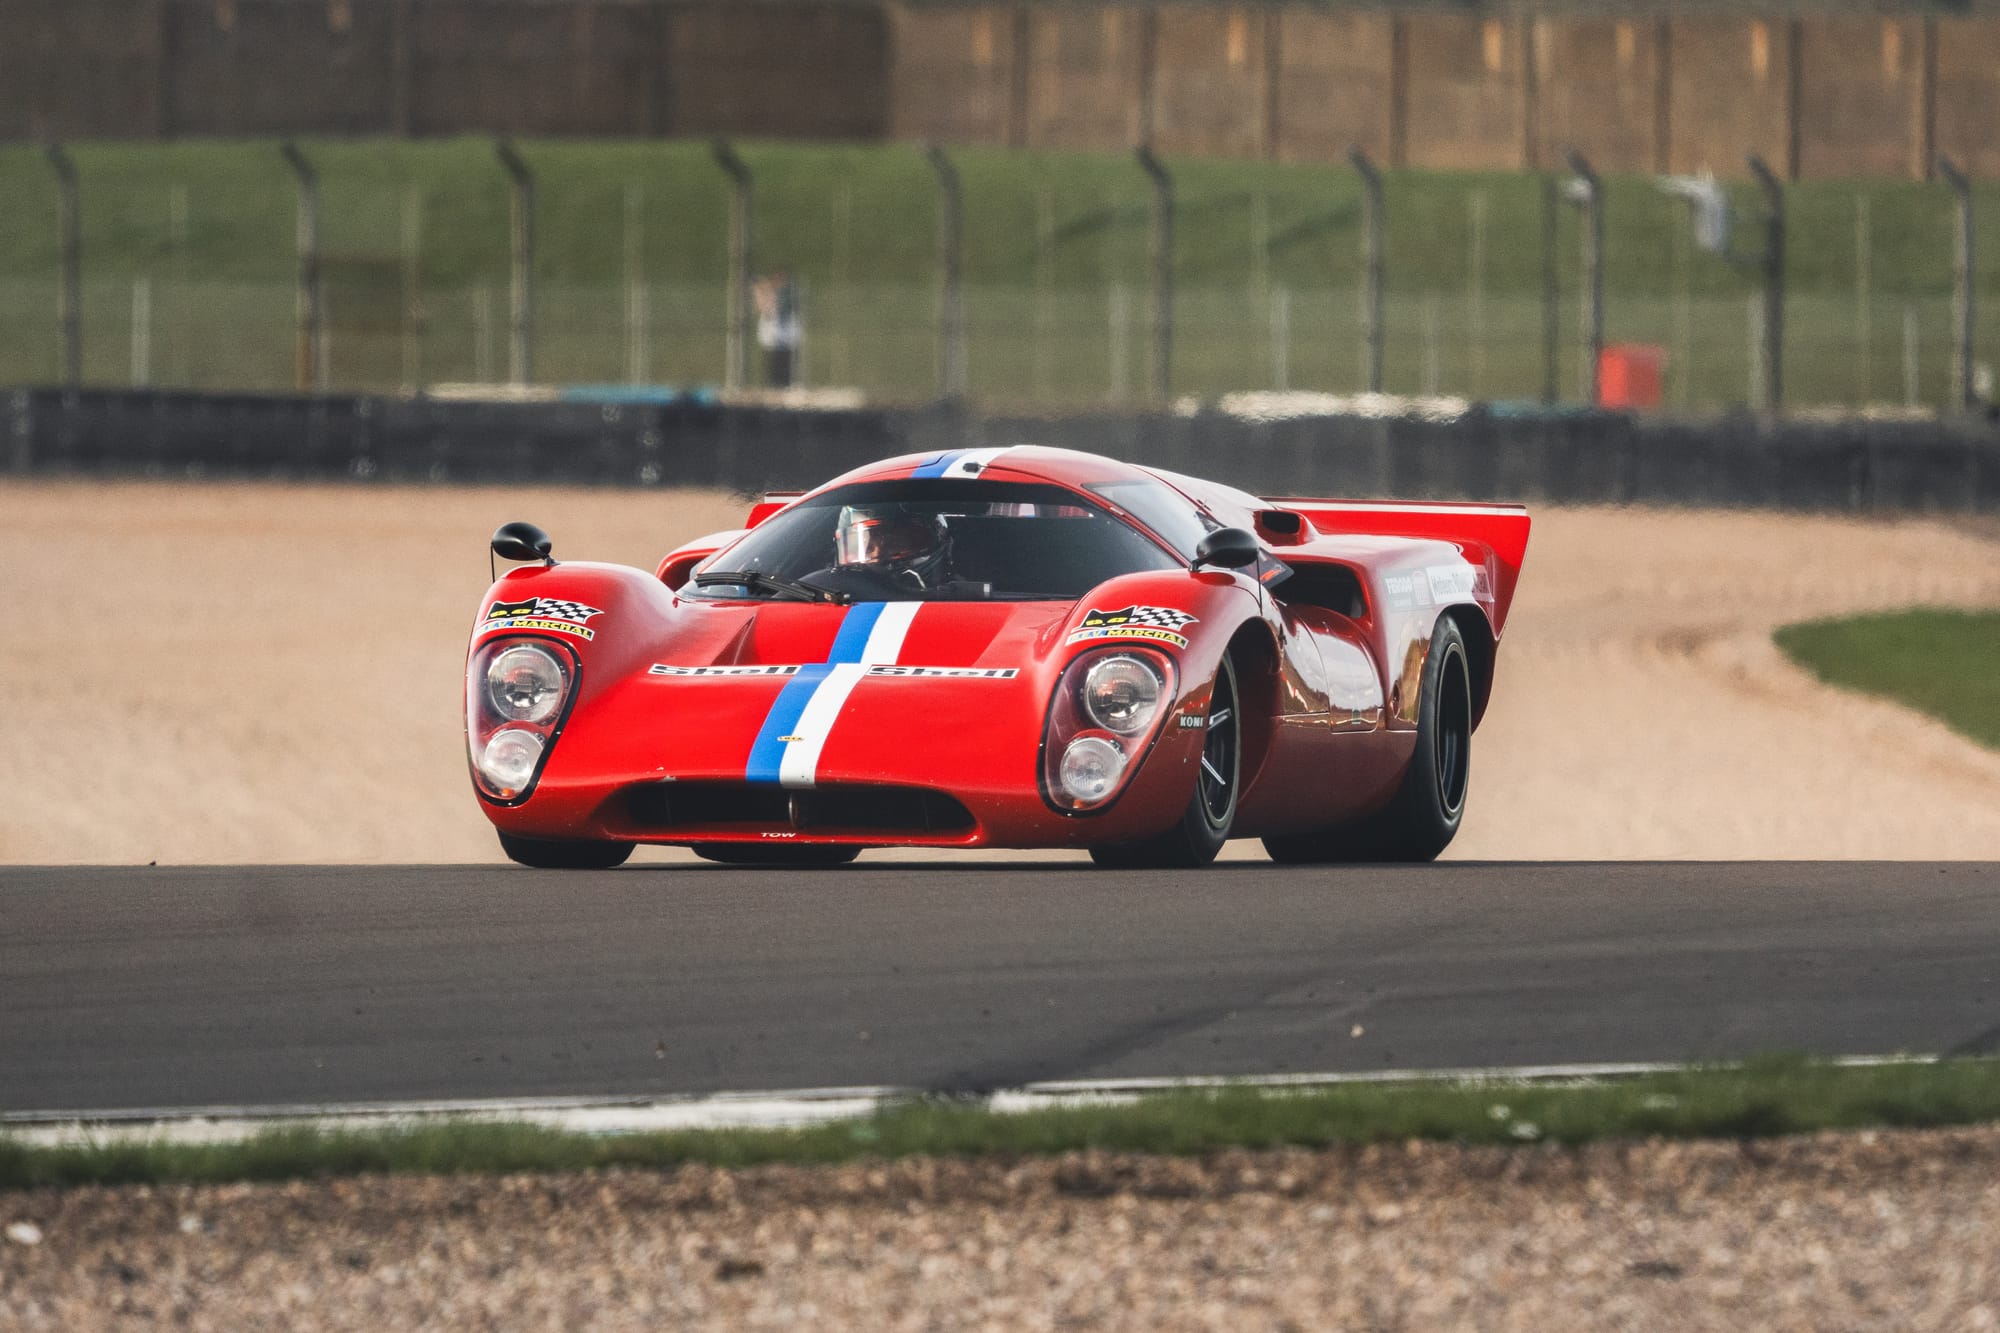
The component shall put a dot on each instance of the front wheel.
(1423, 817)
(781, 855)
(564, 854)
(1204, 826)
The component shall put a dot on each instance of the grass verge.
(1941, 662)
(1760, 1099)
(189, 271)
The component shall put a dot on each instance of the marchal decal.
(553, 614)
(1157, 624)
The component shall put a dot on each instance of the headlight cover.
(517, 694)
(510, 759)
(525, 683)
(1104, 717)
(1121, 694)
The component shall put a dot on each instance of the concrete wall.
(1333, 85)
(1601, 88)
(1859, 466)
(1833, 92)
(1465, 91)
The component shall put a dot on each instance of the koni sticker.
(1157, 624)
(552, 614)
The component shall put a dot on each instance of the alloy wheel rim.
(1218, 753)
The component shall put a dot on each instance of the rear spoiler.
(1491, 533)
(772, 502)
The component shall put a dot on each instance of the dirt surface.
(272, 673)
(1887, 1230)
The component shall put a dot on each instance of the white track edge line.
(738, 1110)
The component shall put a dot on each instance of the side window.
(1161, 508)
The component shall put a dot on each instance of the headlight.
(525, 684)
(517, 693)
(1104, 717)
(1121, 694)
(509, 760)
(1090, 770)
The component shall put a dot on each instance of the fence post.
(1163, 273)
(742, 222)
(1372, 333)
(1963, 273)
(69, 281)
(1590, 198)
(306, 356)
(1551, 293)
(951, 290)
(1774, 285)
(521, 286)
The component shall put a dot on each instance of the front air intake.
(723, 807)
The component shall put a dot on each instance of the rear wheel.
(1424, 816)
(1204, 826)
(756, 854)
(564, 854)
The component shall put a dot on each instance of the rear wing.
(772, 502)
(1496, 530)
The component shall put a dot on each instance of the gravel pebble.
(1830, 1231)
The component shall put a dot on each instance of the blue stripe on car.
(937, 467)
(767, 752)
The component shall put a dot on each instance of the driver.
(891, 541)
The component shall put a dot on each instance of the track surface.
(164, 988)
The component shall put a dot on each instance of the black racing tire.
(1424, 815)
(1204, 826)
(565, 854)
(756, 854)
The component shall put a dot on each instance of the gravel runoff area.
(247, 672)
(1868, 1230)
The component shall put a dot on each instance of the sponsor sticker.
(662, 669)
(1157, 624)
(551, 614)
(1193, 721)
(924, 672)
(949, 673)
(1402, 590)
(1449, 583)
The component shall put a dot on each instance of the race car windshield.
(933, 540)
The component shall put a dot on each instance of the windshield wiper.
(772, 583)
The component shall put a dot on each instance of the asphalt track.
(193, 987)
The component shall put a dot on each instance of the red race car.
(1019, 647)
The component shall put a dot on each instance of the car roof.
(1020, 462)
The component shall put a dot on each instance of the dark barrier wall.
(1859, 467)
(1825, 89)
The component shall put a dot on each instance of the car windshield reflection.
(932, 540)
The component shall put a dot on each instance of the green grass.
(1942, 662)
(1056, 258)
(1760, 1099)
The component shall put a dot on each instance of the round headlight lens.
(509, 759)
(1121, 694)
(1090, 769)
(525, 684)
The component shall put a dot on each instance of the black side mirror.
(1227, 548)
(522, 541)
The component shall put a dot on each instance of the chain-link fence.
(192, 270)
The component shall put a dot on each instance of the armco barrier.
(1859, 466)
